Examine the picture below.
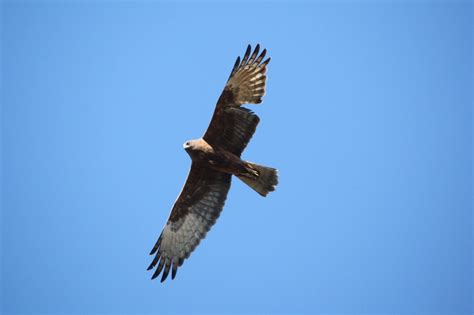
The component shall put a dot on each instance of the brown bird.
(215, 158)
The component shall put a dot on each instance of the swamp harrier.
(215, 158)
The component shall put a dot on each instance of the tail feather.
(260, 178)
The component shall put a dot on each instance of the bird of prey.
(215, 158)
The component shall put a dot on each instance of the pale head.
(190, 145)
(197, 145)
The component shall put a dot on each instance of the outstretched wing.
(232, 126)
(194, 213)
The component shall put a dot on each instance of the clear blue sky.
(368, 116)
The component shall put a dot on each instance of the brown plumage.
(215, 158)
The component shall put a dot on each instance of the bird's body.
(215, 159)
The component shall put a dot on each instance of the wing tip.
(165, 273)
(164, 265)
(150, 267)
(247, 54)
(267, 61)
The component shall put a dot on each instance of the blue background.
(368, 116)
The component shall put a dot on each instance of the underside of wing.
(246, 83)
(231, 129)
(194, 213)
(232, 126)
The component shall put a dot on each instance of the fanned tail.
(260, 178)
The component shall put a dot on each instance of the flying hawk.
(215, 158)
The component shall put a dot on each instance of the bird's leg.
(251, 170)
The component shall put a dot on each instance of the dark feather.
(159, 268)
(260, 58)
(174, 270)
(153, 263)
(236, 66)
(157, 245)
(266, 61)
(254, 54)
(246, 56)
(166, 270)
